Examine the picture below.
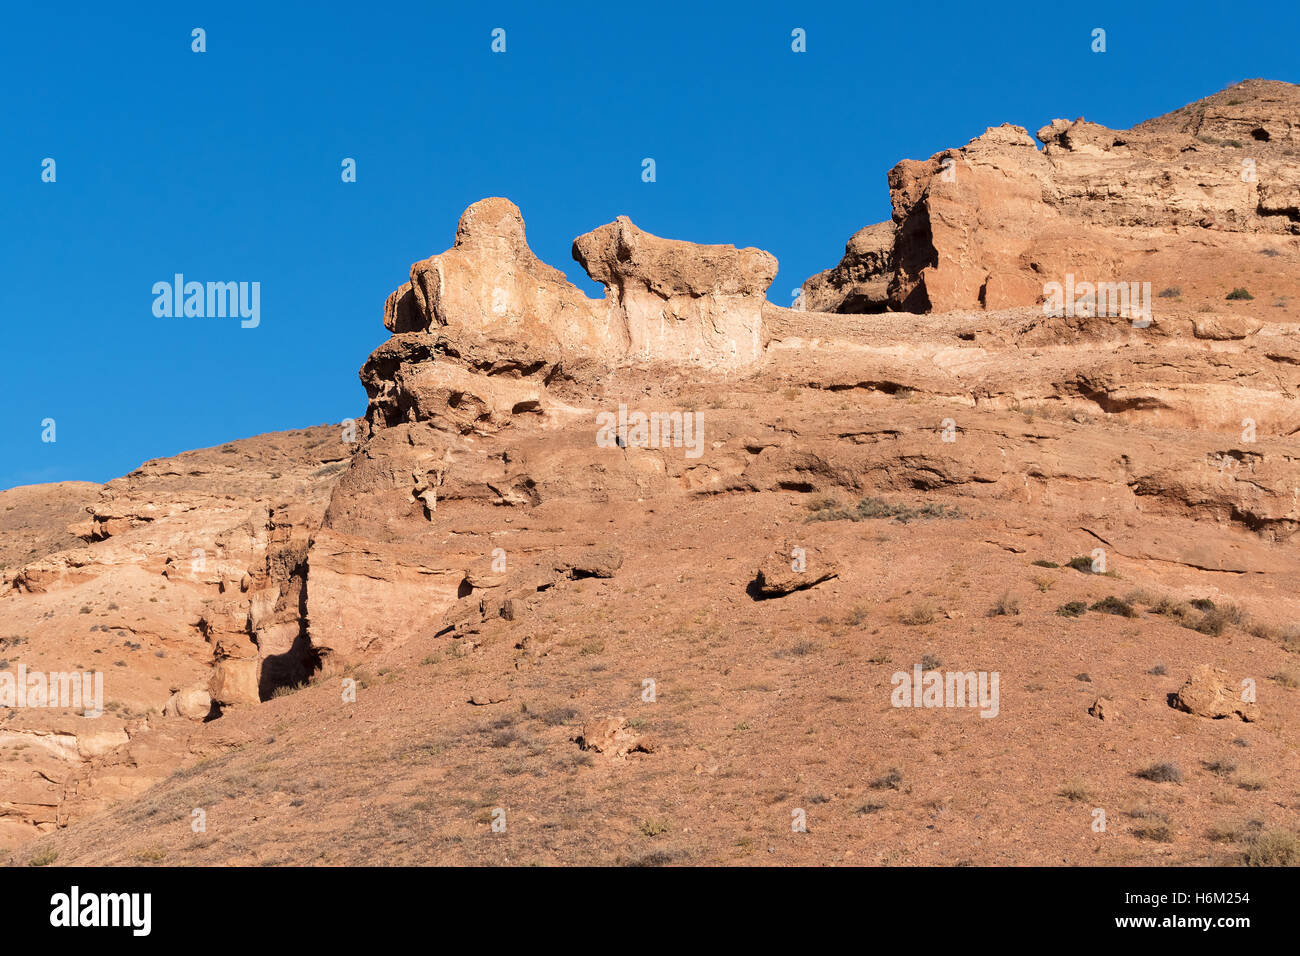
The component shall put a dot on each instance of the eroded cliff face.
(1202, 192)
(537, 471)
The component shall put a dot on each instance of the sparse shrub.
(918, 614)
(1291, 639)
(1159, 832)
(1158, 669)
(799, 649)
(1005, 606)
(892, 779)
(1113, 605)
(930, 663)
(869, 508)
(1161, 773)
(1040, 563)
(1217, 620)
(44, 858)
(653, 828)
(1076, 791)
(856, 617)
(1287, 679)
(1081, 563)
(1221, 767)
(1145, 812)
(1271, 253)
(1072, 609)
(1044, 584)
(1273, 848)
(1169, 607)
(1173, 292)
(1223, 833)
(557, 716)
(1239, 294)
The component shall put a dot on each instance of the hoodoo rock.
(680, 302)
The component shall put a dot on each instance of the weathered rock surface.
(794, 566)
(494, 576)
(1203, 191)
(860, 283)
(687, 303)
(1211, 692)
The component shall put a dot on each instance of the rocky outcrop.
(482, 328)
(680, 302)
(988, 225)
(860, 283)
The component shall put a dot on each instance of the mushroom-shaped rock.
(680, 302)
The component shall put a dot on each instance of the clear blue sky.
(225, 165)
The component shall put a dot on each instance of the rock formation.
(563, 519)
(985, 226)
(677, 300)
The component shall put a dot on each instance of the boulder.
(192, 703)
(1211, 692)
(794, 566)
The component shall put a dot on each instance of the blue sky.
(225, 165)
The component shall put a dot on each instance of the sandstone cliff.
(1187, 201)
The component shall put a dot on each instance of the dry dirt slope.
(762, 706)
